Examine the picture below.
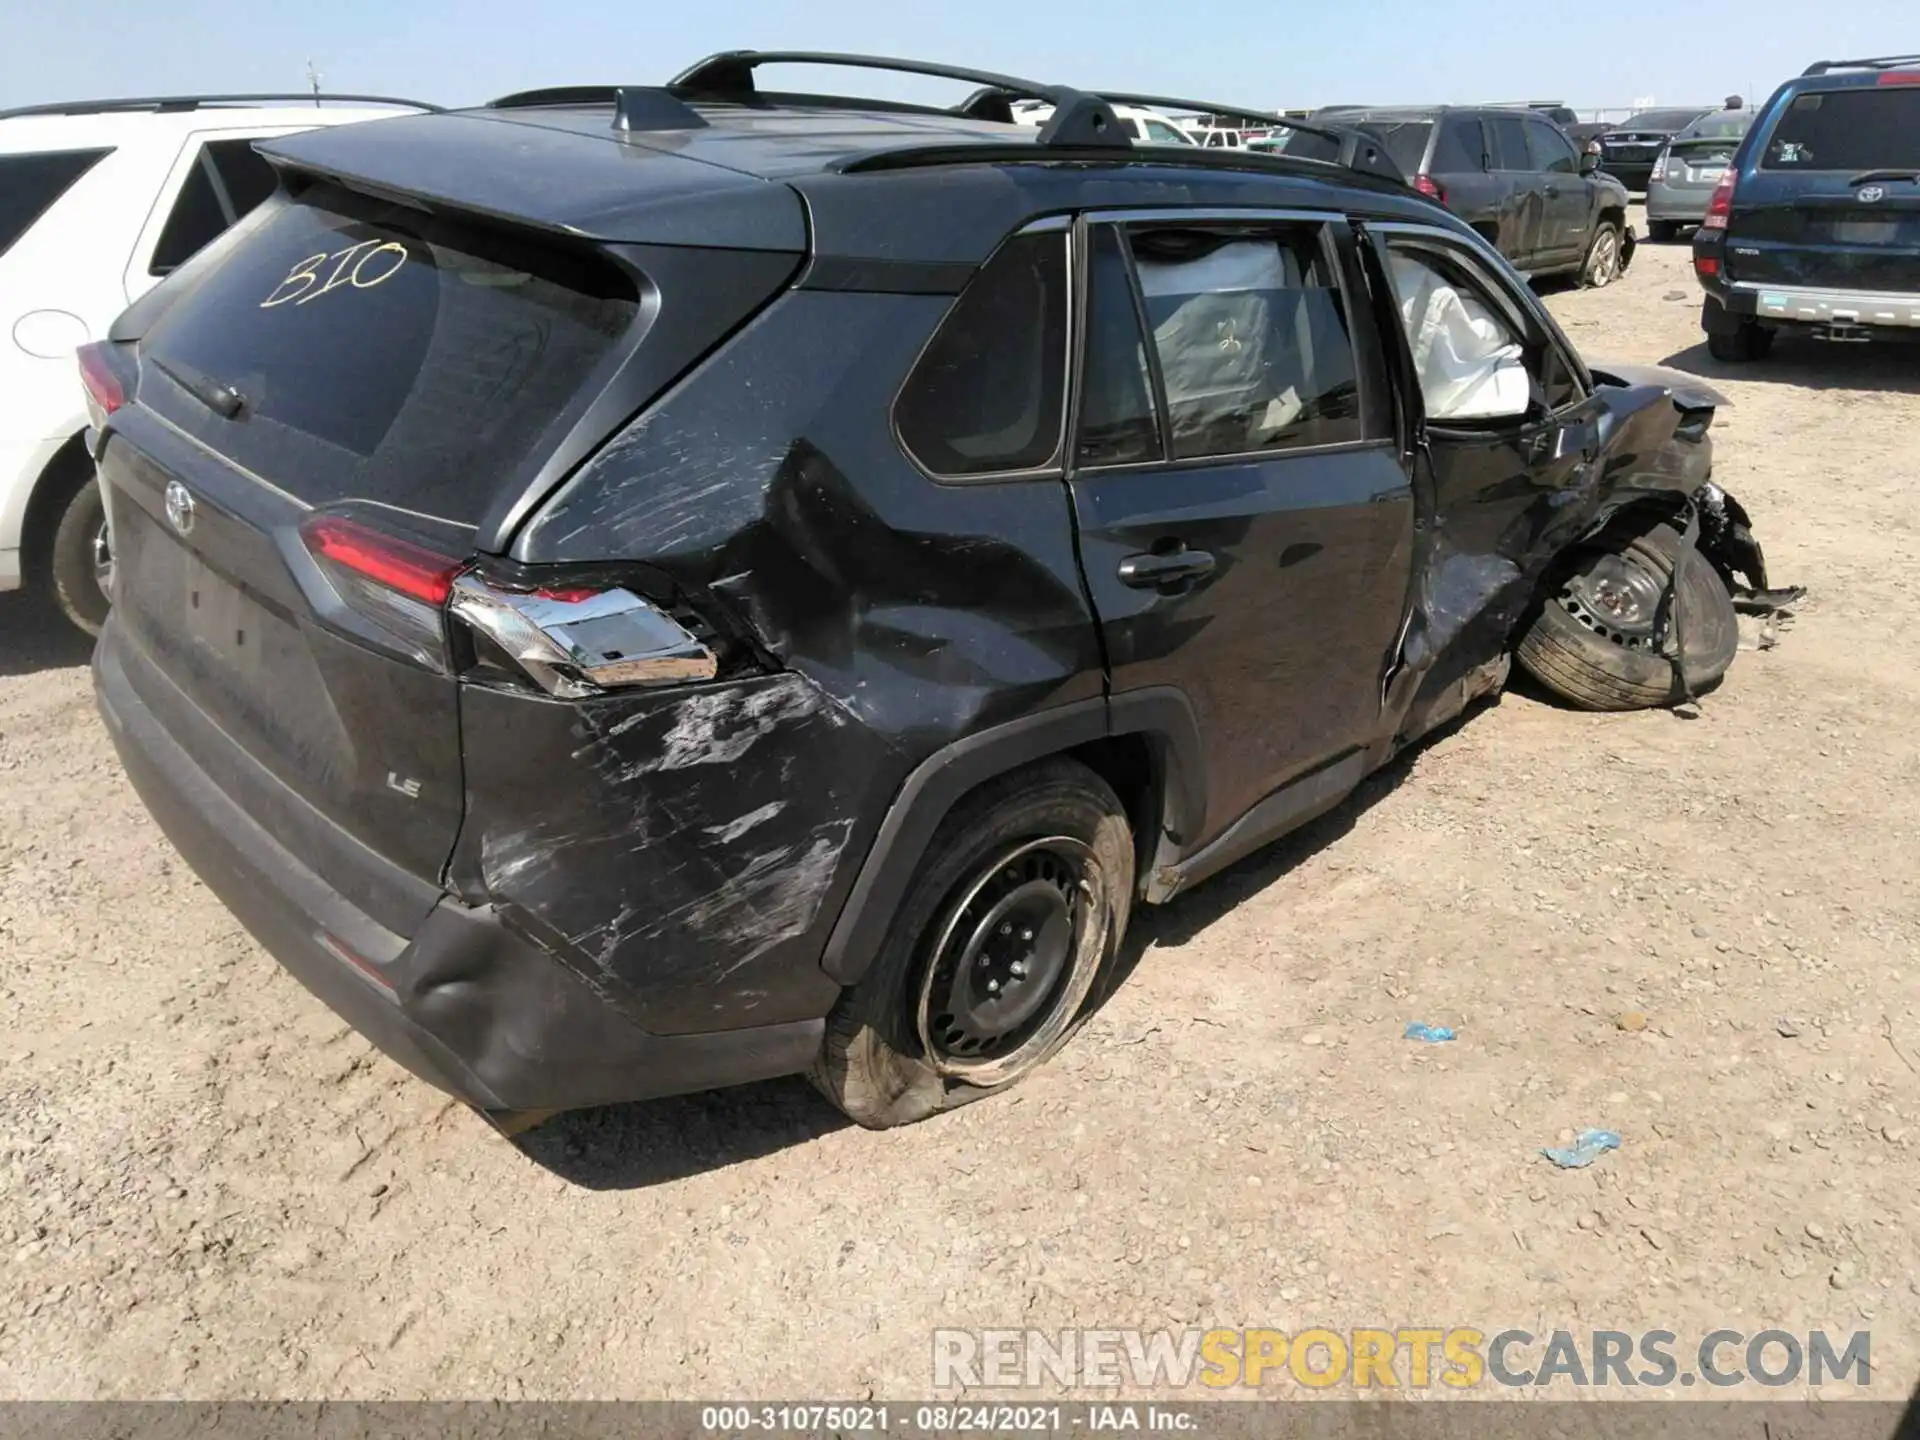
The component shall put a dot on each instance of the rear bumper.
(464, 1003)
(1808, 306)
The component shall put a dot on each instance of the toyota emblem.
(180, 507)
(1872, 194)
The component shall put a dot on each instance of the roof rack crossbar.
(176, 103)
(1875, 62)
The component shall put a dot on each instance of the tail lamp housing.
(1720, 206)
(573, 641)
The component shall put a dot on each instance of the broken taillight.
(1429, 187)
(105, 393)
(575, 641)
(393, 583)
(1720, 207)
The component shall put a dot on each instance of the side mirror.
(1589, 163)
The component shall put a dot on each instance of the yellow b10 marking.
(346, 271)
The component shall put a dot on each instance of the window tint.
(1850, 130)
(1405, 143)
(1461, 150)
(29, 184)
(1117, 425)
(1550, 150)
(988, 394)
(1507, 141)
(1251, 338)
(384, 352)
(244, 171)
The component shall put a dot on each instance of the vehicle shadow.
(654, 1142)
(1173, 925)
(34, 636)
(1814, 365)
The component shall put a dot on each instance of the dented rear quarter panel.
(688, 850)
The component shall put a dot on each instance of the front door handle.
(1149, 571)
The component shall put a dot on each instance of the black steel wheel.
(1019, 903)
(1595, 642)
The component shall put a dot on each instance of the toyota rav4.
(628, 591)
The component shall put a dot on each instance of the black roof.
(683, 165)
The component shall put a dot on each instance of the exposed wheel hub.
(1013, 961)
(1618, 599)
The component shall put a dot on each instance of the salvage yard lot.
(1698, 932)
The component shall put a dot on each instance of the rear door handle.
(1148, 571)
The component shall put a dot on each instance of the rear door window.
(1461, 150)
(989, 393)
(1117, 421)
(384, 353)
(29, 184)
(1250, 334)
(1507, 141)
(1852, 130)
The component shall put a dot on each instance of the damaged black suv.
(629, 591)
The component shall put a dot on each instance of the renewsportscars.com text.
(1401, 1358)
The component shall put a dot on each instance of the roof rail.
(1081, 119)
(1878, 62)
(635, 107)
(1205, 157)
(169, 104)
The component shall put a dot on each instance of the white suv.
(99, 201)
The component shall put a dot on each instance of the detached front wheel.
(1019, 904)
(1594, 641)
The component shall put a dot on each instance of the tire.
(1592, 643)
(1603, 264)
(1748, 343)
(1663, 232)
(1043, 848)
(80, 560)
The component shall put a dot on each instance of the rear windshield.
(1718, 127)
(1659, 120)
(1853, 130)
(29, 184)
(383, 353)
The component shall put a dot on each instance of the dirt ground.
(212, 1188)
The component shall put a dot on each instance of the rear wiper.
(223, 400)
(1867, 177)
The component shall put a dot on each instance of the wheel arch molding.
(1166, 802)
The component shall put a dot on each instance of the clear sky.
(1273, 55)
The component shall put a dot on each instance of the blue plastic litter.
(1431, 1034)
(1591, 1145)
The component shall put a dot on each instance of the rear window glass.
(989, 393)
(1659, 120)
(381, 351)
(29, 184)
(1718, 127)
(1852, 130)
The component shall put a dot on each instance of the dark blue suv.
(1816, 226)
